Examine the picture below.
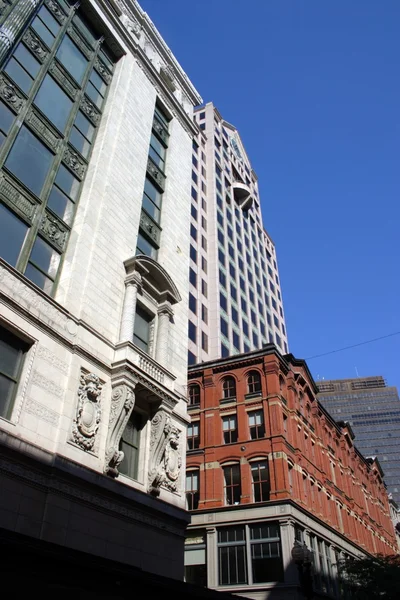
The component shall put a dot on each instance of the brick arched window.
(229, 388)
(194, 394)
(253, 382)
(192, 489)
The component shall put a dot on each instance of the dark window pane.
(85, 29)
(27, 60)
(45, 283)
(7, 388)
(72, 58)
(29, 160)
(54, 103)
(144, 247)
(10, 354)
(80, 142)
(12, 235)
(19, 75)
(61, 205)
(6, 118)
(98, 83)
(45, 257)
(94, 95)
(43, 32)
(152, 193)
(49, 20)
(142, 329)
(67, 182)
(150, 208)
(84, 126)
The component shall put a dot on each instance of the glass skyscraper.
(373, 410)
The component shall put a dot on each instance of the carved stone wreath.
(88, 411)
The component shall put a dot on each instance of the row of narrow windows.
(228, 388)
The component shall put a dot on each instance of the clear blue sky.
(314, 88)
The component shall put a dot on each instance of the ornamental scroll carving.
(90, 111)
(74, 162)
(122, 403)
(9, 93)
(88, 412)
(35, 45)
(166, 458)
(56, 10)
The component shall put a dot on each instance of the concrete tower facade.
(235, 300)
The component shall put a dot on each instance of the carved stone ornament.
(150, 227)
(54, 230)
(90, 111)
(160, 130)
(165, 454)
(155, 173)
(131, 25)
(74, 162)
(56, 10)
(102, 69)
(122, 403)
(38, 124)
(3, 6)
(9, 93)
(17, 199)
(88, 412)
(167, 75)
(63, 80)
(35, 45)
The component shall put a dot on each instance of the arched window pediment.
(155, 279)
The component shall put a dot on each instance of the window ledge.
(231, 400)
(253, 395)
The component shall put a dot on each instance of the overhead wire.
(382, 337)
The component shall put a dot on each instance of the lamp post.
(301, 555)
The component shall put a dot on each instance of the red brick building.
(266, 465)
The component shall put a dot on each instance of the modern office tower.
(95, 170)
(269, 470)
(235, 301)
(373, 410)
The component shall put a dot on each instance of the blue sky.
(313, 87)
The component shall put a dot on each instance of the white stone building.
(96, 140)
(235, 300)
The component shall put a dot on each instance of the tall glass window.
(232, 556)
(129, 445)
(55, 83)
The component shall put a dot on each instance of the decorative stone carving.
(74, 162)
(9, 93)
(159, 128)
(150, 227)
(63, 80)
(165, 454)
(52, 359)
(49, 386)
(122, 403)
(88, 412)
(41, 412)
(90, 110)
(102, 70)
(56, 10)
(167, 75)
(54, 230)
(3, 6)
(130, 23)
(33, 42)
(155, 173)
(40, 127)
(13, 196)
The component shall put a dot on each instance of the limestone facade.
(81, 380)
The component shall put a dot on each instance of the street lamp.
(301, 555)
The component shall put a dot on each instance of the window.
(224, 327)
(236, 340)
(255, 340)
(22, 68)
(232, 485)
(192, 489)
(224, 351)
(43, 265)
(243, 304)
(54, 103)
(204, 243)
(81, 138)
(256, 424)
(229, 388)
(235, 315)
(194, 177)
(229, 429)
(193, 435)
(193, 277)
(192, 331)
(266, 558)
(46, 26)
(204, 288)
(245, 328)
(192, 358)
(193, 253)
(232, 556)
(204, 264)
(223, 302)
(192, 304)
(72, 59)
(144, 247)
(141, 329)
(260, 476)
(193, 212)
(194, 194)
(222, 278)
(233, 292)
(204, 314)
(204, 341)
(129, 445)
(12, 351)
(253, 382)
(193, 232)
(221, 257)
(194, 395)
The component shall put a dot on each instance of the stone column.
(287, 541)
(165, 312)
(212, 558)
(132, 284)
(13, 25)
